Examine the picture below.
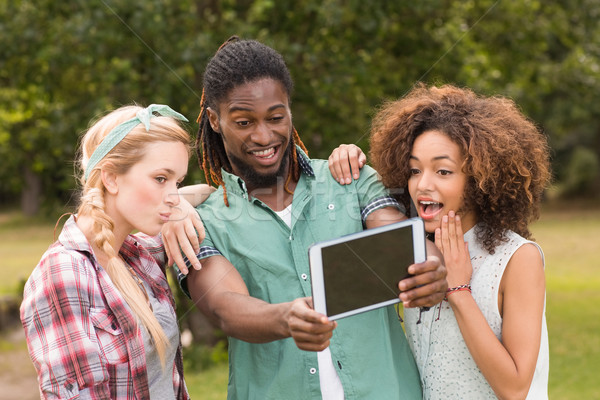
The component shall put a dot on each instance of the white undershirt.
(331, 386)
(286, 215)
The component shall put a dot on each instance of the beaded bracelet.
(457, 289)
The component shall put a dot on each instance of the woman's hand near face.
(345, 163)
(450, 241)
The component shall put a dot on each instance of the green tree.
(66, 62)
(544, 55)
(62, 63)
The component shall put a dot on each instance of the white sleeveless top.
(445, 364)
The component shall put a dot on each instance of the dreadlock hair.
(237, 62)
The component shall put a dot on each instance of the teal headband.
(120, 131)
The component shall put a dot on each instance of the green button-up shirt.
(369, 350)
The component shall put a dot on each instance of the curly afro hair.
(506, 156)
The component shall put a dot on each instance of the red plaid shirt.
(81, 335)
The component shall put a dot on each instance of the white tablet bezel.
(316, 262)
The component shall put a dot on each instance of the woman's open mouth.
(429, 209)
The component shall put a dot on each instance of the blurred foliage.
(65, 63)
(581, 173)
(202, 357)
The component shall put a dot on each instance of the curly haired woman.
(474, 168)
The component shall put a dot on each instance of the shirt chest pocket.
(109, 335)
(334, 217)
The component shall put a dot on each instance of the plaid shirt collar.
(72, 238)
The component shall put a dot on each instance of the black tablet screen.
(367, 270)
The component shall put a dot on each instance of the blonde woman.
(97, 311)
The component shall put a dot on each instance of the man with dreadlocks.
(272, 203)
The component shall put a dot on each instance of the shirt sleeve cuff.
(204, 252)
(380, 202)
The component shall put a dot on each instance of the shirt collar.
(72, 238)
(235, 184)
(304, 163)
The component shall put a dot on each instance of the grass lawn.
(570, 238)
(210, 384)
(22, 243)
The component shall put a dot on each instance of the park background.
(64, 63)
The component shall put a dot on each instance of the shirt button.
(331, 206)
(313, 371)
(304, 276)
(69, 386)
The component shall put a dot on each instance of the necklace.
(139, 282)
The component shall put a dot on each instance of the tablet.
(360, 272)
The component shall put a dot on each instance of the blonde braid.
(92, 204)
